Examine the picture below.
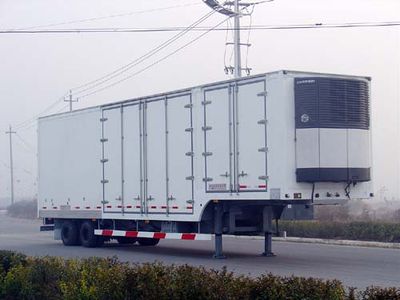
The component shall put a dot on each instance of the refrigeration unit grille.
(332, 103)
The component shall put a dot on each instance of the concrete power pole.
(236, 41)
(70, 100)
(10, 132)
(235, 13)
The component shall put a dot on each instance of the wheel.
(87, 236)
(69, 233)
(126, 240)
(148, 241)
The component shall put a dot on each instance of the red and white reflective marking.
(154, 235)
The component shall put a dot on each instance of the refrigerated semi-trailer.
(219, 158)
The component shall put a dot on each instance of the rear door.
(180, 195)
(251, 137)
(218, 139)
(235, 137)
(112, 159)
(132, 153)
(155, 157)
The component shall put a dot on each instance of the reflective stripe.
(153, 235)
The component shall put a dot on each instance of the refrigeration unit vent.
(332, 129)
(332, 103)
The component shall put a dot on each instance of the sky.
(36, 70)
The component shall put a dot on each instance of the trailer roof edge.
(188, 89)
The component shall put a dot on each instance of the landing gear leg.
(268, 245)
(218, 212)
(267, 220)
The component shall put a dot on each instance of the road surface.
(354, 266)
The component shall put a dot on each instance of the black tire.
(148, 241)
(87, 236)
(69, 233)
(126, 240)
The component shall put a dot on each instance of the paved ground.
(355, 266)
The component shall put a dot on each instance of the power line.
(94, 83)
(156, 62)
(174, 29)
(32, 119)
(106, 17)
(27, 146)
(32, 122)
(27, 124)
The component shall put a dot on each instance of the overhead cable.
(94, 83)
(105, 17)
(178, 28)
(156, 62)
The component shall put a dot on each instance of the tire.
(69, 233)
(148, 241)
(126, 240)
(87, 237)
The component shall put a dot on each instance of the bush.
(23, 209)
(365, 231)
(377, 293)
(24, 277)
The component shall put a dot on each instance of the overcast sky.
(36, 70)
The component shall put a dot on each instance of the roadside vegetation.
(26, 209)
(354, 221)
(378, 231)
(23, 277)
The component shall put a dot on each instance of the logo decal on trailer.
(217, 187)
(305, 118)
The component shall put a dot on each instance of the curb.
(327, 242)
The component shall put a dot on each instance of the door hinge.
(189, 154)
(205, 102)
(103, 140)
(104, 181)
(262, 122)
(188, 106)
(263, 177)
(190, 178)
(104, 160)
(242, 174)
(262, 94)
(190, 129)
(206, 128)
(207, 179)
(207, 153)
(263, 149)
(103, 119)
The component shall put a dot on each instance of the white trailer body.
(272, 139)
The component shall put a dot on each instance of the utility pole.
(236, 41)
(10, 132)
(70, 100)
(233, 9)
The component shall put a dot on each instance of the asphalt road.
(354, 266)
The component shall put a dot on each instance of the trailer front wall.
(69, 165)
